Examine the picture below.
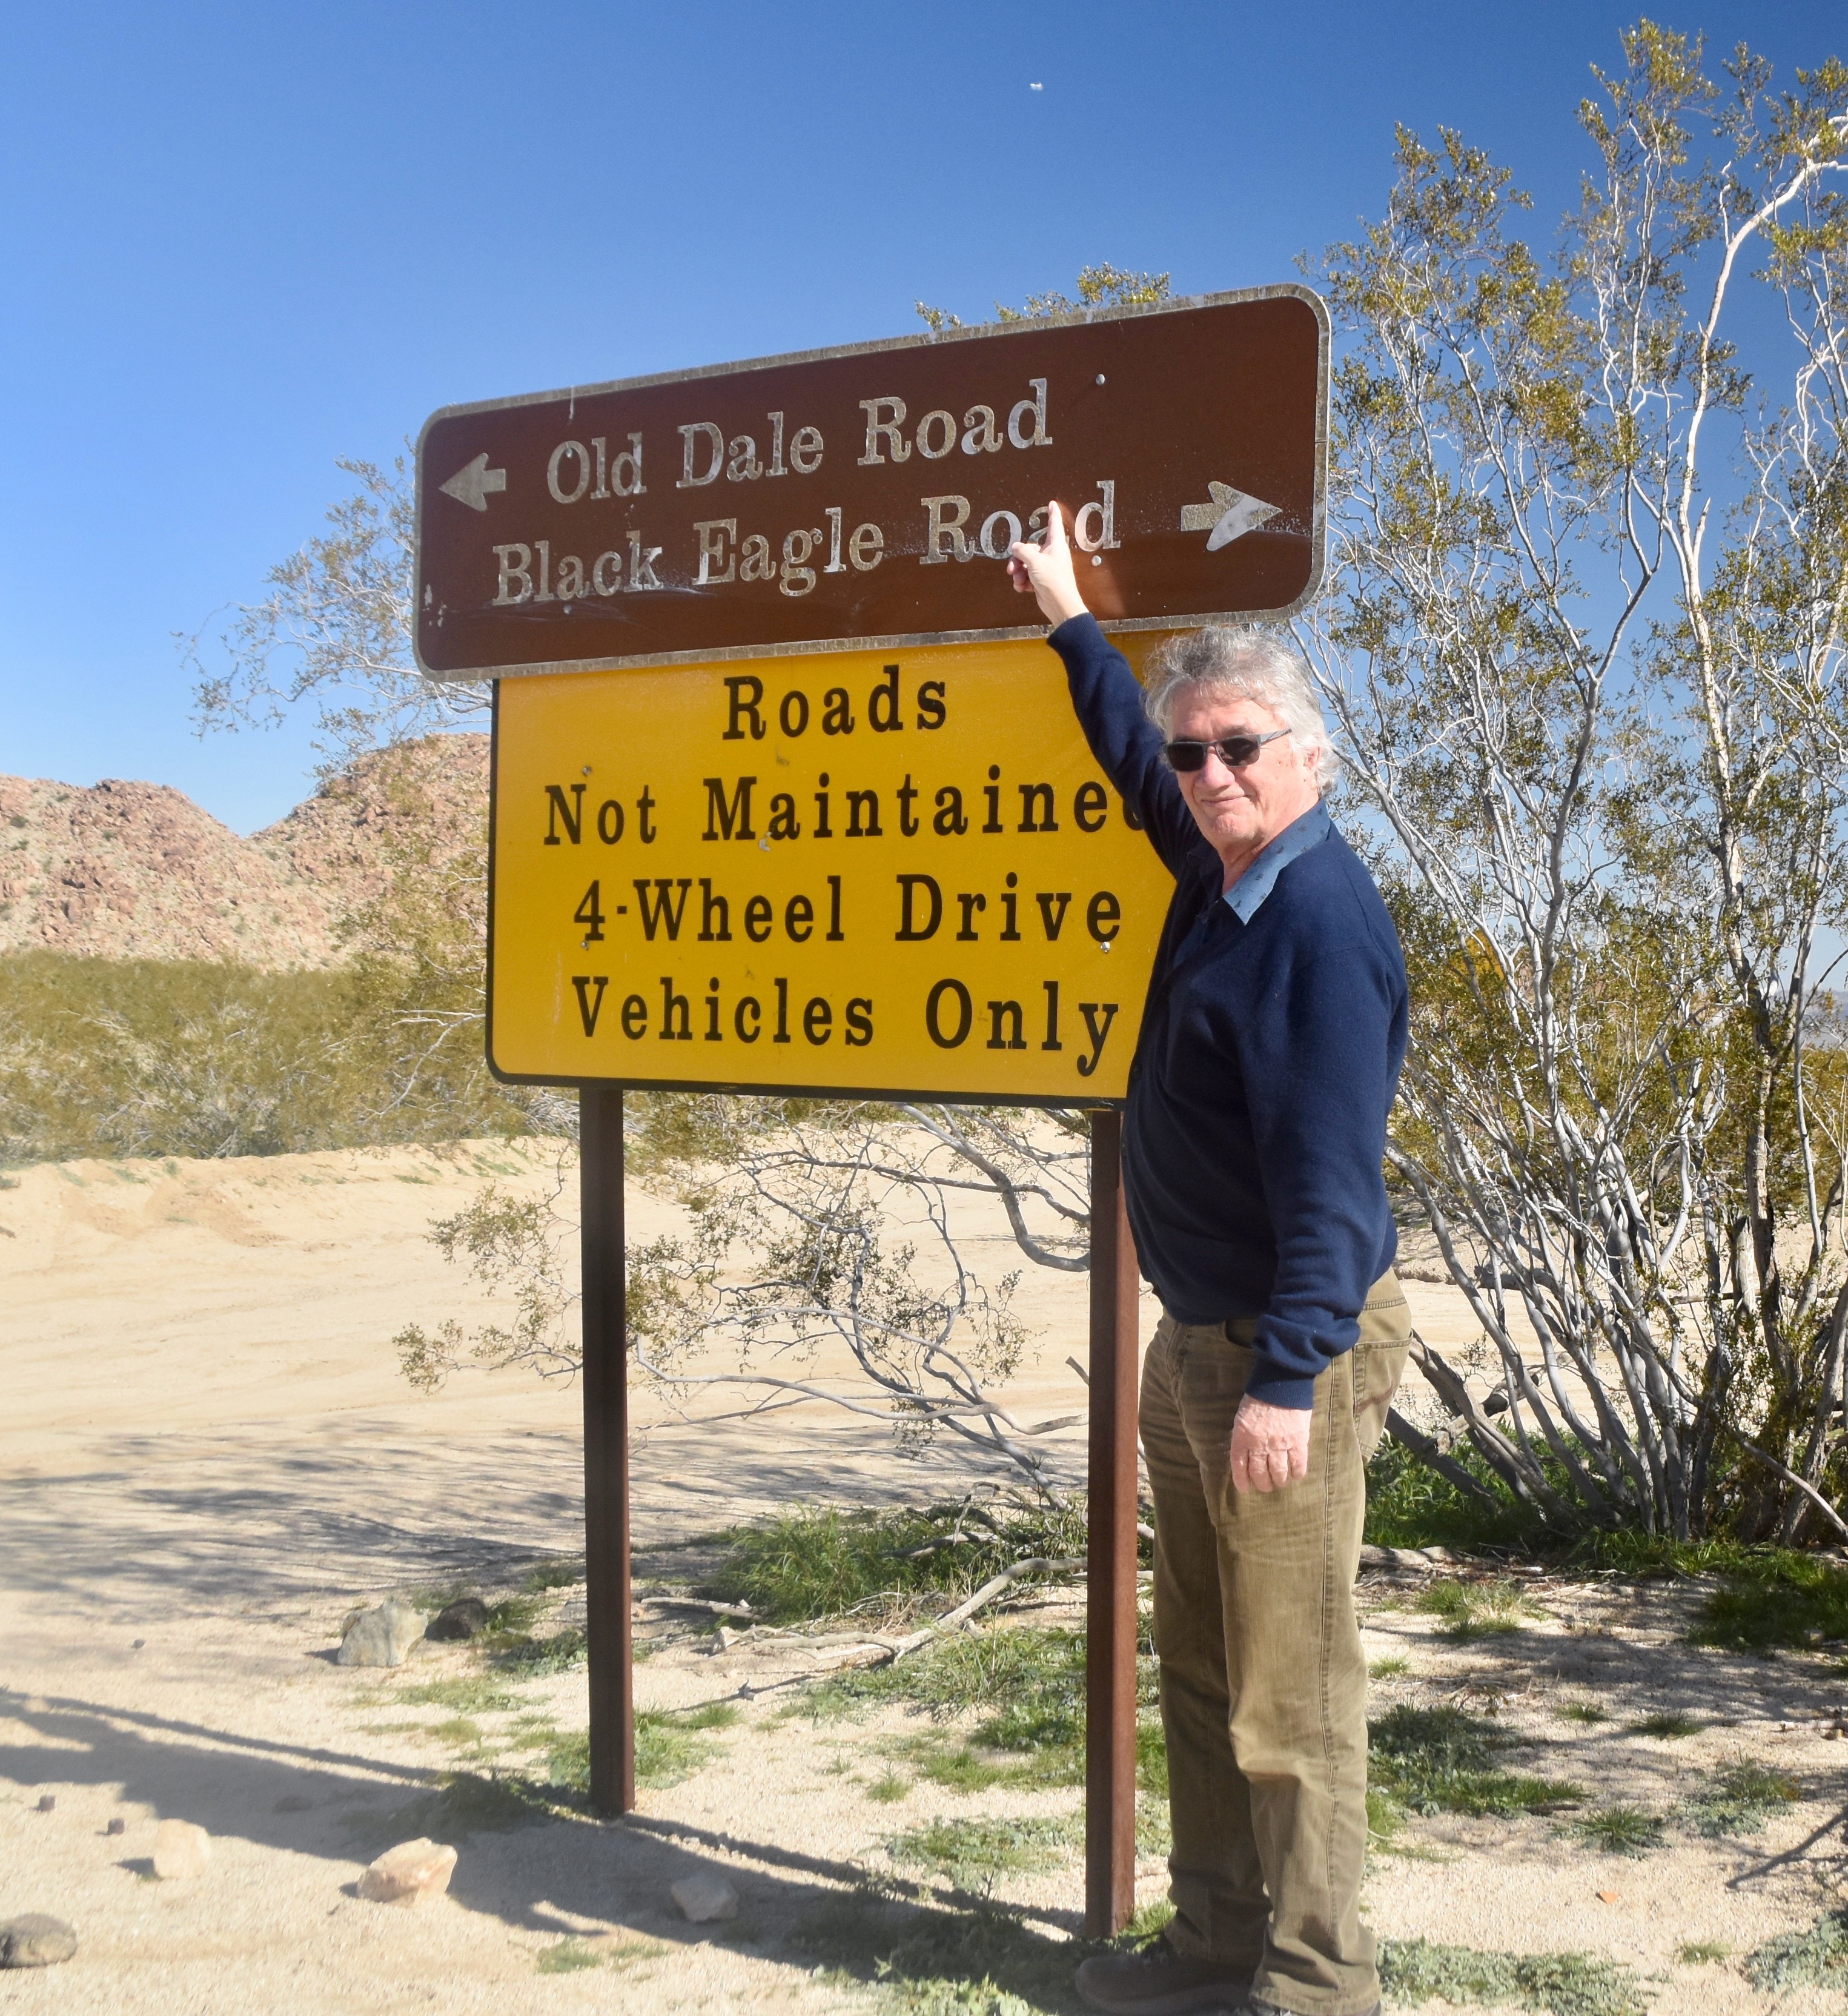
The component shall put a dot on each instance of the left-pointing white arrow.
(470, 486)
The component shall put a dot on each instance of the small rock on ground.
(465, 1618)
(704, 1898)
(380, 1637)
(35, 1940)
(409, 1873)
(181, 1851)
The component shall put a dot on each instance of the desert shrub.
(112, 1058)
(116, 1057)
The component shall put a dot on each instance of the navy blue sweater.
(1268, 1062)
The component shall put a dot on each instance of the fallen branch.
(937, 1546)
(1036, 1564)
(699, 1602)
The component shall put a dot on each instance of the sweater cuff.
(1074, 633)
(1276, 1387)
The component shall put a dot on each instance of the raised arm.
(1106, 696)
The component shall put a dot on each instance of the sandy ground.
(208, 1457)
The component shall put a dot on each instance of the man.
(1253, 1147)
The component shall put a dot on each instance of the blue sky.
(241, 240)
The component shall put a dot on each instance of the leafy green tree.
(1102, 286)
(333, 630)
(1584, 637)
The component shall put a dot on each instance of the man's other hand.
(1270, 1445)
(1042, 567)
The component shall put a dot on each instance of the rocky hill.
(137, 871)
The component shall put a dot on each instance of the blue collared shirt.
(1248, 893)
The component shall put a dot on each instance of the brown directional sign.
(867, 496)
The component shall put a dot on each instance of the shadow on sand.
(531, 1866)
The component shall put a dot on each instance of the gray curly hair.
(1246, 663)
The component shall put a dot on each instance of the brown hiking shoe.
(1158, 1981)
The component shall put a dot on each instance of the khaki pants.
(1262, 1684)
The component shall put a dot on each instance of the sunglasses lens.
(1236, 750)
(1187, 755)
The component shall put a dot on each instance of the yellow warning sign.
(895, 872)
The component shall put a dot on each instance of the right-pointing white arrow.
(470, 486)
(1230, 516)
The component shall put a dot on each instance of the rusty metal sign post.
(819, 818)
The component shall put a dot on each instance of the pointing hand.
(1042, 566)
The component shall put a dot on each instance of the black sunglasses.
(1235, 750)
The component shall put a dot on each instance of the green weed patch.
(669, 1747)
(808, 1565)
(1036, 1675)
(1409, 1505)
(468, 1693)
(1817, 1958)
(1473, 1609)
(1670, 1723)
(931, 1962)
(469, 1803)
(560, 1653)
(1440, 1760)
(1771, 1599)
(1777, 1600)
(1620, 1829)
(1565, 1984)
(973, 1852)
(1738, 1798)
(962, 1770)
(568, 1957)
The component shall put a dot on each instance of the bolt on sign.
(787, 794)
(847, 499)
